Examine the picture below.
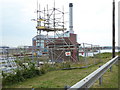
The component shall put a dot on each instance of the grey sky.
(92, 20)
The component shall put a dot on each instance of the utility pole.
(113, 31)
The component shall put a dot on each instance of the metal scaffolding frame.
(48, 21)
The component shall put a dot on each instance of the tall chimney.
(71, 18)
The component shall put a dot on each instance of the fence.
(89, 54)
(88, 81)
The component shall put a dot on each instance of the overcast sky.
(92, 20)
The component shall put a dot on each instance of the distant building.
(57, 47)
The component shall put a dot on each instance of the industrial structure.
(52, 39)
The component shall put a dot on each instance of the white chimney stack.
(71, 18)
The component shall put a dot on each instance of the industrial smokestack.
(71, 18)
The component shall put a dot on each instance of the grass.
(110, 79)
(55, 79)
(61, 78)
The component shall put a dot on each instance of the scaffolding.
(55, 46)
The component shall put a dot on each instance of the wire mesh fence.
(89, 54)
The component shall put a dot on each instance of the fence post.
(111, 69)
(66, 87)
(100, 79)
(33, 89)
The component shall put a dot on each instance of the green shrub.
(66, 65)
(21, 74)
(44, 68)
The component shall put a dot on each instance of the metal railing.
(89, 80)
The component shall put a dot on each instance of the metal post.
(110, 69)
(66, 87)
(100, 79)
(113, 33)
(100, 53)
(84, 53)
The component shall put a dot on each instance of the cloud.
(92, 20)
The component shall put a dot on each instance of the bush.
(30, 71)
(21, 75)
(44, 68)
(66, 65)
